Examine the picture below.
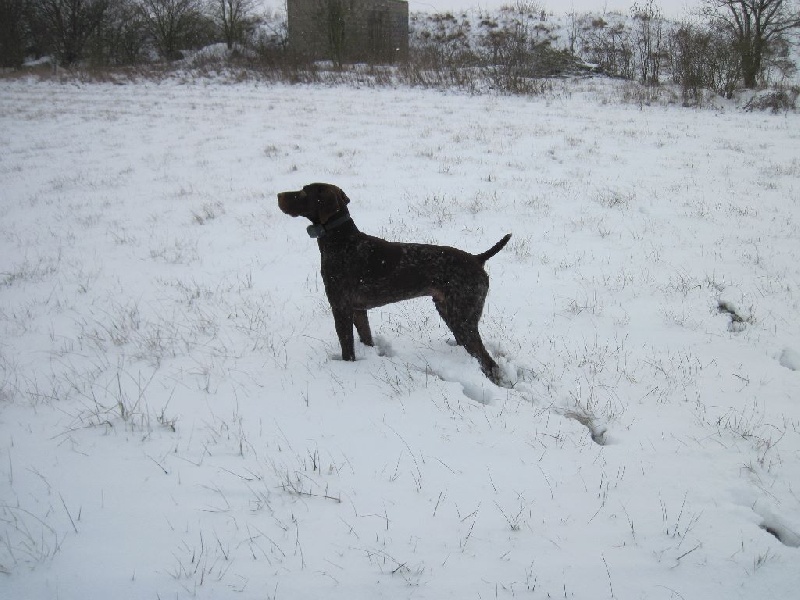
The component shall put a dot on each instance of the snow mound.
(790, 359)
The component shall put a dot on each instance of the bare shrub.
(509, 50)
(779, 100)
(609, 45)
(703, 58)
(648, 33)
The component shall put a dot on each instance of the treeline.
(119, 32)
(725, 46)
(728, 44)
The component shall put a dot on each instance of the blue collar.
(319, 231)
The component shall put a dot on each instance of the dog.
(361, 272)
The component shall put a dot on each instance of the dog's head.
(316, 201)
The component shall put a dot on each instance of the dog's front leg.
(343, 319)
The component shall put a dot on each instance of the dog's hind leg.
(462, 319)
(361, 321)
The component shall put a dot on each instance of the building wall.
(349, 30)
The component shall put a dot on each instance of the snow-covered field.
(175, 421)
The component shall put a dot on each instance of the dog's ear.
(331, 201)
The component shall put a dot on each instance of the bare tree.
(573, 28)
(123, 37)
(71, 24)
(756, 25)
(12, 45)
(232, 18)
(170, 22)
(648, 25)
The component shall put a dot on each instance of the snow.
(175, 420)
(790, 359)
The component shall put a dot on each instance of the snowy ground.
(175, 421)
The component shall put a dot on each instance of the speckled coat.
(361, 272)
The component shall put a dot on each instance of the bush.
(703, 58)
(506, 51)
(780, 100)
(609, 45)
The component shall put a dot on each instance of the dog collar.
(319, 231)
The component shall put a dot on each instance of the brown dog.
(362, 272)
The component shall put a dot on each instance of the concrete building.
(347, 31)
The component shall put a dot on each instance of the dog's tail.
(484, 256)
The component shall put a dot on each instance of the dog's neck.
(319, 230)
